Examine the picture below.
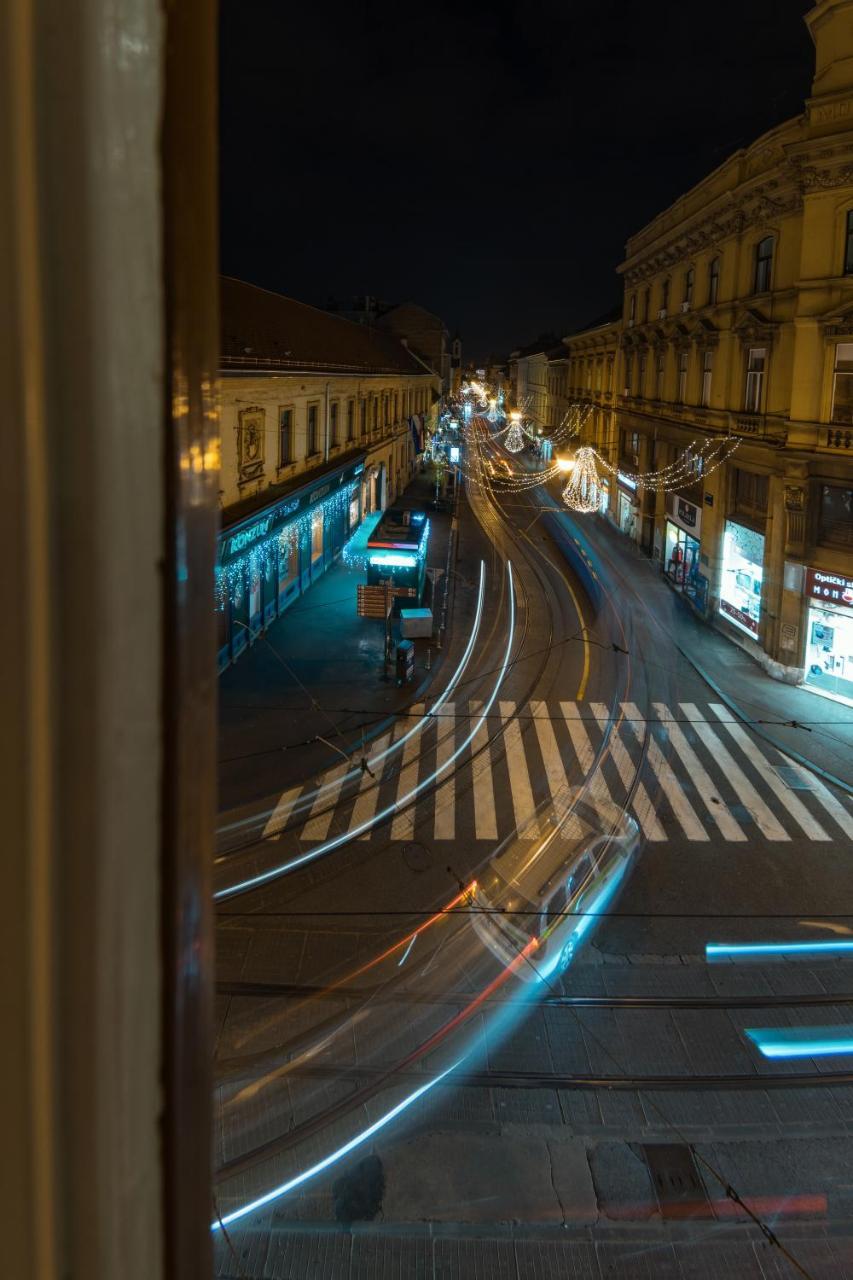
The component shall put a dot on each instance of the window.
(350, 419)
(755, 362)
(317, 535)
(647, 302)
(750, 492)
(311, 436)
(659, 371)
(641, 389)
(835, 517)
(713, 280)
(396, 408)
(763, 264)
(682, 377)
(375, 422)
(848, 245)
(664, 295)
(630, 442)
(609, 373)
(689, 281)
(842, 383)
(632, 308)
(707, 374)
(333, 423)
(285, 436)
(629, 373)
(363, 415)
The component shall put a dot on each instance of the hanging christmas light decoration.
(514, 438)
(583, 490)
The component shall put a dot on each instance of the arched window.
(763, 264)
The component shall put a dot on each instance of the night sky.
(487, 160)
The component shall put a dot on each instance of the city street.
(567, 1115)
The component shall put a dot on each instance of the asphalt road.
(553, 1102)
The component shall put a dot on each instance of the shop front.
(829, 634)
(267, 559)
(681, 558)
(627, 509)
(604, 496)
(742, 576)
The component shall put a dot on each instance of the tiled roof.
(263, 330)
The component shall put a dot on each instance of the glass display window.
(743, 571)
(317, 535)
(829, 650)
(681, 555)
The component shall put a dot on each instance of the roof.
(261, 330)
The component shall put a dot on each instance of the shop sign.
(627, 481)
(233, 542)
(829, 586)
(684, 513)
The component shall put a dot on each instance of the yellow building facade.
(737, 326)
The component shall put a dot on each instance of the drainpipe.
(326, 433)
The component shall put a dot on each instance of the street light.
(566, 464)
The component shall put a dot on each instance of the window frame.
(846, 373)
(707, 376)
(334, 422)
(350, 419)
(753, 400)
(714, 268)
(689, 284)
(312, 416)
(848, 244)
(762, 280)
(285, 461)
(682, 372)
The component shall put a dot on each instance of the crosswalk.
(688, 771)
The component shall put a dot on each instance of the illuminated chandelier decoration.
(514, 439)
(583, 490)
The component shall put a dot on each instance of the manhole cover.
(416, 856)
(792, 777)
(677, 1184)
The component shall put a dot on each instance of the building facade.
(737, 327)
(322, 420)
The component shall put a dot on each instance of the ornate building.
(738, 325)
(321, 422)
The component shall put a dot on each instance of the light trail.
(284, 868)
(802, 1042)
(746, 950)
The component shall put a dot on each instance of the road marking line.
(555, 770)
(579, 736)
(444, 797)
(485, 821)
(280, 814)
(642, 803)
(403, 826)
(323, 808)
(763, 817)
(368, 792)
(681, 806)
(730, 829)
(825, 797)
(519, 779)
(795, 807)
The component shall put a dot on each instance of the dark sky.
(488, 160)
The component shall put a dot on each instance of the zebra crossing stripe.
(669, 785)
(485, 819)
(762, 766)
(444, 799)
(730, 829)
(368, 794)
(825, 797)
(579, 736)
(278, 818)
(642, 804)
(403, 826)
(519, 777)
(323, 808)
(763, 817)
(555, 770)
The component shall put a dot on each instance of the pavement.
(318, 672)
(816, 730)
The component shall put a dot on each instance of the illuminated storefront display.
(829, 639)
(682, 558)
(266, 560)
(627, 511)
(743, 568)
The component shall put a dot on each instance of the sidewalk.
(818, 731)
(318, 671)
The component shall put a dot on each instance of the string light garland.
(514, 439)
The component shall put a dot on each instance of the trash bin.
(405, 662)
